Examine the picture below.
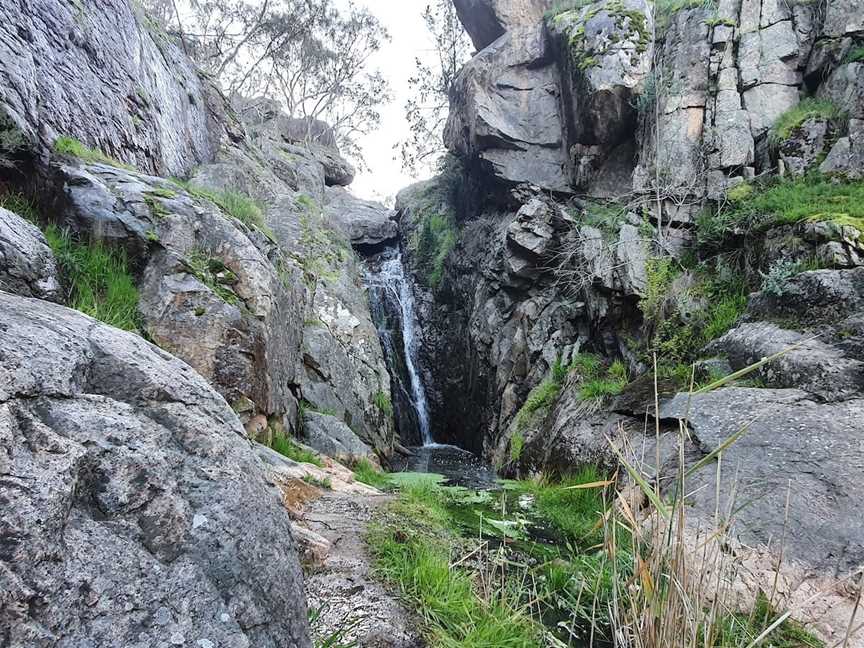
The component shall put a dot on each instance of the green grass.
(20, 204)
(325, 484)
(234, 203)
(517, 444)
(588, 365)
(213, 273)
(71, 146)
(661, 272)
(289, 448)
(792, 201)
(742, 629)
(601, 388)
(366, 473)
(808, 108)
(541, 398)
(855, 56)
(413, 551)
(382, 402)
(98, 279)
(573, 512)
(435, 240)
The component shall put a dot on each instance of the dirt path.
(343, 587)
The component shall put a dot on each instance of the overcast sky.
(396, 61)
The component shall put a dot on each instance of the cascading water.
(392, 304)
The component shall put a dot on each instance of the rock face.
(504, 112)
(367, 224)
(486, 20)
(114, 448)
(27, 266)
(61, 61)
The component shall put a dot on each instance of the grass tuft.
(98, 278)
(20, 204)
(808, 108)
(384, 403)
(366, 473)
(71, 146)
(289, 448)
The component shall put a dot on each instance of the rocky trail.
(344, 598)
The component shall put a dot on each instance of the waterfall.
(392, 305)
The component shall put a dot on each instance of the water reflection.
(459, 467)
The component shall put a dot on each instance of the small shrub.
(325, 484)
(856, 55)
(70, 146)
(234, 203)
(435, 240)
(98, 278)
(740, 192)
(661, 272)
(588, 365)
(775, 280)
(213, 273)
(382, 402)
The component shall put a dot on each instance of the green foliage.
(856, 55)
(382, 402)
(588, 365)
(325, 483)
(435, 240)
(413, 552)
(98, 278)
(774, 281)
(70, 146)
(213, 273)
(20, 204)
(661, 272)
(234, 203)
(740, 192)
(597, 386)
(517, 444)
(540, 398)
(289, 448)
(366, 473)
(808, 108)
(742, 629)
(308, 204)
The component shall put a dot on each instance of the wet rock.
(367, 224)
(61, 61)
(27, 266)
(115, 448)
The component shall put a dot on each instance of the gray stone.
(487, 20)
(489, 120)
(793, 445)
(532, 230)
(846, 157)
(766, 103)
(845, 87)
(807, 144)
(332, 437)
(842, 17)
(364, 222)
(60, 62)
(27, 266)
(111, 448)
(819, 368)
(770, 56)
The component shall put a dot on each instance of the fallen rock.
(27, 265)
(112, 447)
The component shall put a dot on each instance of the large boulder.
(143, 98)
(367, 224)
(332, 437)
(794, 446)
(604, 51)
(135, 513)
(27, 266)
(486, 20)
(504, 113)
(214, 291)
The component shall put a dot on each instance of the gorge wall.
(602, 205)
(248, 324)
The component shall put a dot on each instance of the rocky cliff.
(674, 180)
(224, 245)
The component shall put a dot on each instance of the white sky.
(403, 19)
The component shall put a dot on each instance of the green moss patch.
(72, 147)
(793, 118)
